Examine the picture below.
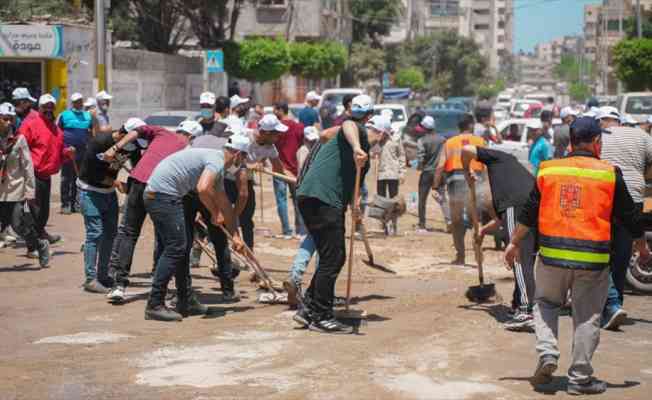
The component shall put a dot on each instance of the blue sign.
(214, 61)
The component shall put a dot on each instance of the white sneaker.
(116, 295)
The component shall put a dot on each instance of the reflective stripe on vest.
(575, 212)
(453, 148)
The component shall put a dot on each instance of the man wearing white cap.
(541, 149)
(105, 154)
(159, 143)
(629, 149)
(429, 146)
(17, 184)
(197, 169)
(45, 141)
(102, 120)
(24, 103)
(239, 107)
(76, 124)
(324, 193)
(562, 132)
(309, 115)
(391, 166)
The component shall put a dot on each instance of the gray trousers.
(589, 294)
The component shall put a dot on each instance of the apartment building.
(535, 71)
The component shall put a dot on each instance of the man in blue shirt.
(76, 125)
(309, 115)
(541, 149)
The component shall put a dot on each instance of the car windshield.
(336, 98)
(639, 105)
(165, 120)
(398, 115)
(446, 123)
(522, 106)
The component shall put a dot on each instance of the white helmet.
(192, 128)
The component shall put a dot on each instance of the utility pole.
(639, 30)
(619, 89)
(100, 44)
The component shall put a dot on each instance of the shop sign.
(31, 41)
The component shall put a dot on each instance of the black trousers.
(387, 187)
(124, 244)
(13, 213)
(247, 217)
(426, 180)
(68, 187)
(40, 206)
(193, 205)
(327, 228)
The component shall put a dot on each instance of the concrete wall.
(143, 82)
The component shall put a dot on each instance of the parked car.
(501, 113)
(519, 107)
(336, 95)
(170, 119)
(468, 102)
(399, 114)
(533, 111)
(504, 100)
(515, 140)
(636, 104)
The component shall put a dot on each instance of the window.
(613, 25)
(439, 8)
(501, 24)
(483, 11)
(481, 27)
(271, 3)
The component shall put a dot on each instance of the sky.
(537, 21)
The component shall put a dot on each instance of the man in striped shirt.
(630, 149)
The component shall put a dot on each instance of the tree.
(579, 92)
(367, 63)
(373, 19)
(569, 68)
(453, 63)
(257, 60)
(488, 91)
(411, 77)
(646, 25)
(318, 60)
(212, 21)
(633, 61)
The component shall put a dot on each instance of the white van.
(335, 96)
(636, 104)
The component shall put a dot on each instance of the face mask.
(104, 107)
(206, 113)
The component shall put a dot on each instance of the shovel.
(482, 292)
(370, 262)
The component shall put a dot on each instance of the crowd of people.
(578, 204)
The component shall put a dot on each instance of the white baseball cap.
(7, 109)
(46, 98)
(270, 123)
(90, 102)
(649, 120)
(238, 142)
(76, 97)
(103, 95)
(567, 112)
(311, 133)
(21, 93)
(428, 122)
(237, 100)
(133, 123)
(362, 104)
(193, 128)
(608, 112)
(312, 96)
(534, 124)
(207, 98)
(380, 123)
(628, 119)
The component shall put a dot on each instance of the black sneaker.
(53, 239)
(545, 368)
(194, 307)
(162, 313)
(66, 210)
(459, 260)
(331, 325)
(594, 386)
(520, 322)
(43, 253)
(95, 287)
(615, 320)
(302, 317)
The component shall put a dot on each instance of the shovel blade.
(481, 293)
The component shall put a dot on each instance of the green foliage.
(569, 68)
(633, 61)
(318, 60)
(25, 9)
(490, 90)
(579, 92)
(411, 77)
(629, 25)
(366, 62)
(373, 19)
(453, 63)
(258, 60)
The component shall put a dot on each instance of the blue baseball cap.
(585, 128)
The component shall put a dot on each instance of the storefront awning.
(396, 93)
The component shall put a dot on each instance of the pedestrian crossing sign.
(214, 61)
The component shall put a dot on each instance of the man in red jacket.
(45, 141)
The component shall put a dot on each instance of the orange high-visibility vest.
(577, 196)
(453, 148)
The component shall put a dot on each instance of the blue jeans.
(306, 250)
(621, 252)
(100, 211)
(280, 192)
(167, 215)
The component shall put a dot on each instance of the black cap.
(546, 116)
(584, 129)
